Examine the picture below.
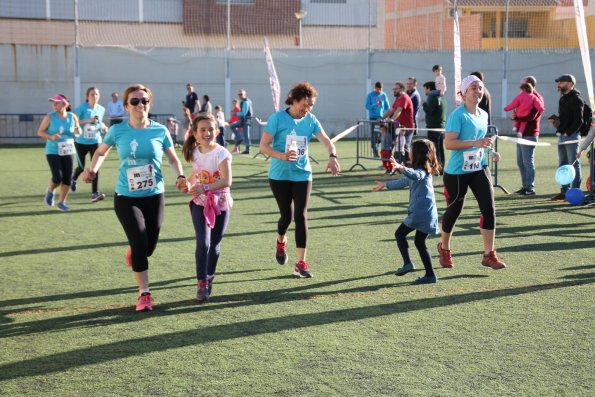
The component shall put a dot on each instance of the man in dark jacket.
(435, 110)
(567, 123)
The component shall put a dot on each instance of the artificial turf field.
(68, 325)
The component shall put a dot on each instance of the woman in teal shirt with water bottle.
(285, 139)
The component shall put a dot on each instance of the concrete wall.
(30, 74)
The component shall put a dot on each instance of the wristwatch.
(332, 155)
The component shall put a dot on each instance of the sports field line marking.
(434, 293)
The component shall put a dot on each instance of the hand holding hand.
(88, 176)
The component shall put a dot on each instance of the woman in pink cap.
(59, 128)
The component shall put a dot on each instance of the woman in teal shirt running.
(285, 139)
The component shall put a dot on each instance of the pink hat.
(59, 98)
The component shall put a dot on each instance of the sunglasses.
(136, 101)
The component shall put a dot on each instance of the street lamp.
(300, 15)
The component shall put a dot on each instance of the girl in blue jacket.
(422, 215)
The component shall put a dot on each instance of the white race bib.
(66, 148)
(90, 131)
(141, 178)
(301, 141)
(472, 160)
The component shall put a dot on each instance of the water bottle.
(293, 146)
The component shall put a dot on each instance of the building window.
(517, 28)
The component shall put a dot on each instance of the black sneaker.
(302, 270)
(73, 185)
(528, 193)
(520, 191)
(281, 254)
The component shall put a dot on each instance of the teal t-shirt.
(140, 153)
(469, 127)
(64, 127)
(284, 130)
(90, 132)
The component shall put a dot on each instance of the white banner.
(273, 80)
(457, 56)
(581, 30)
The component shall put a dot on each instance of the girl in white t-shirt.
(211, 199)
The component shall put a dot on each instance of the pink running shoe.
(302, 270)
(445, 257)
(202, 292)
(145, 302)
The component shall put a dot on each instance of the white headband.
(467, 81)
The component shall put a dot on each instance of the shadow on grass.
(65, 361)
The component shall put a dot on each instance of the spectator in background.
(172, 127)
(525, 155)
(440, 79)
(377, 104)
(220, 118)
(115, 110)
(206, 105)
(191, 103)
(245, 122)
(235, 128)
(415, 97)
(435, 110)
(402, 113)
(568, 123)
(486, 100)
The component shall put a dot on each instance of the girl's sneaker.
(426, 280)
(407, 267)
(202, 293)
(492, 260)
(144, 302)
(210, 284)
(302, 270)
(97, 196)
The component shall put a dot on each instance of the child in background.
(220, 117)
(440, 79)
(422, 215)
(386, 148)
(522, 104)
(211, 199)
(235, 130)
(172, 127)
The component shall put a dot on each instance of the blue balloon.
(565, 174)
(575, 196)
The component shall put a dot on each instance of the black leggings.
(292, 200)
(455, 189)
(420, 244)
(61, 168)
(81, 151)
(141, 218)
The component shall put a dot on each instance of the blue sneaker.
(49, 197)
(426, 280)
(73, 185)
(407, 267)
(63, 207)
(95, 197)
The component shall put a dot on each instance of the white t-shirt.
(205, 167)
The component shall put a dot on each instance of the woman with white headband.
(465, 137)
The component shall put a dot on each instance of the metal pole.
(300, 32)
(77, 56)
(369, 54)
(227, 63)
(505, 64)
